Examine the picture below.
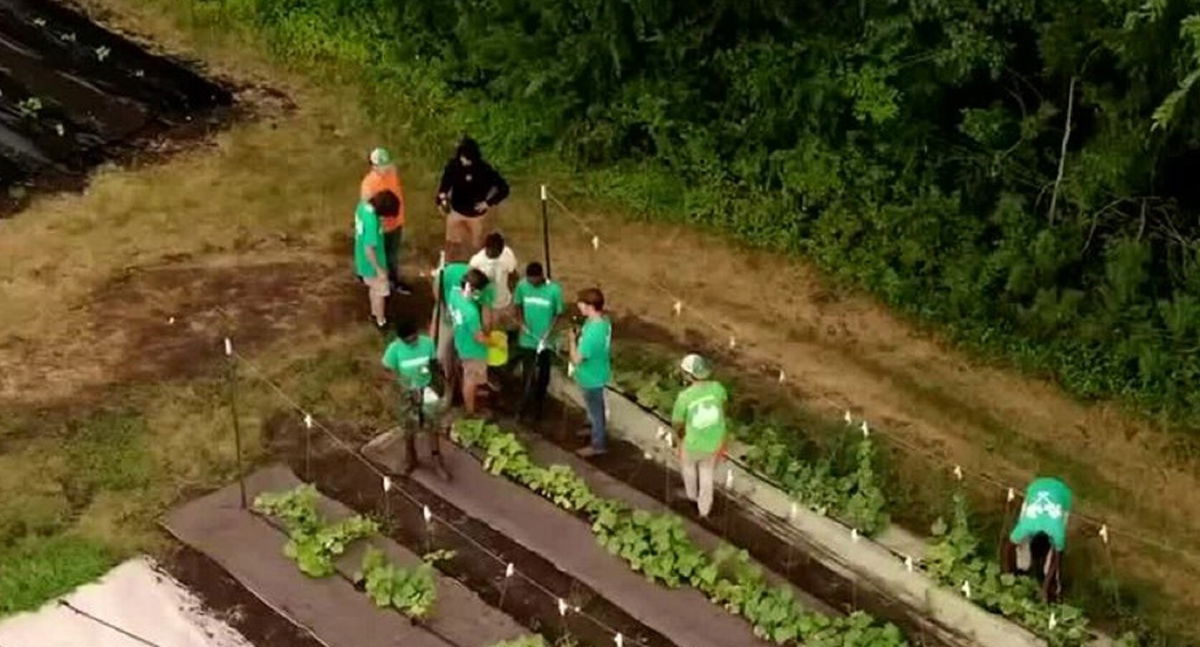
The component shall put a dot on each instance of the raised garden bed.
(781, 522)
(481, 553)
(250, 548)
(73, 94)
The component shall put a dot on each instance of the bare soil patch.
(168, 322)
(231, 602)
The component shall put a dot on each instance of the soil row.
(73, 94)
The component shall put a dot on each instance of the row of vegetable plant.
(657, 546)
(848, 490)
(853, 495)
(315, 544)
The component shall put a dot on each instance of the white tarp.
(134, 596)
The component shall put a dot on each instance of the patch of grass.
(39, 569)
(24, 513)
(108, 451)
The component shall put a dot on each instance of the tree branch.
(1062, 155)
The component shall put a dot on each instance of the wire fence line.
(387, 484)
(104, 623)
(1100, 528)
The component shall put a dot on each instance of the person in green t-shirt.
(1037, 541)
(539, 303)
(370, 256)
(411, 357)
(446, 280)
(699, 416)
(470, 338)
(591, 356)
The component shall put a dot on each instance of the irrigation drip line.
(105, 623)
(1100, 526)
(394, 486)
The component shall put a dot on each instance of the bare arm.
(371, 256)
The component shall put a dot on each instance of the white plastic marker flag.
(782, 377)
(866, 429)
(732, 343)
(1053, 621)
(620, 640)
(1011, 495)
(543, 192)
(908, 563)
(793, 511)
(171, 321)
(387, 484)
(966, 589)
(308, 421)
(427, 513)
(648, 456)
(595, 242)
(228, 347)
(562, 607)
(671, 440)
(728, 479)
(570, 369)
(848, 418)
(854, 535)
(678, 307)
(660, 433)
(509, 570)
(958, 473)
(1104, 533)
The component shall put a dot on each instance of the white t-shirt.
(497, 270)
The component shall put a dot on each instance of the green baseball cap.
(696, 366)
(380, 157)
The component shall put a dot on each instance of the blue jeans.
(594, 399)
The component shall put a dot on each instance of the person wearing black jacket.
(469, 188)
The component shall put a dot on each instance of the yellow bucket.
(497, 348)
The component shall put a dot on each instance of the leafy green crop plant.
(657, 546)
(410, 590)
(313, 544)
(853, 495)
(955, 559)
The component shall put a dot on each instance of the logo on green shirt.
(539, 306)
(464, 313)
(701, 409)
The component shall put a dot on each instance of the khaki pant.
(698, 478)
(468, 230)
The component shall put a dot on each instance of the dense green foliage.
(657, 546)
(38, 569)
(913, 146)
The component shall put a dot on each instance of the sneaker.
(401, 288)
(590, 452)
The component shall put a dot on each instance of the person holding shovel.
(539, 303)
(1036, 544)
(699, 416)
(411, 357)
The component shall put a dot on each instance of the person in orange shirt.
(382, 176)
